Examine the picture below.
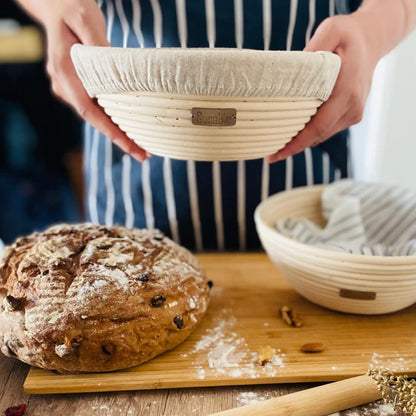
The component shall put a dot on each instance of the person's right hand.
(68, 22)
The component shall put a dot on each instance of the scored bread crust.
(90, 298)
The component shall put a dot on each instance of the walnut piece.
(290, 317)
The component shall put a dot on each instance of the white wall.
(384, 143)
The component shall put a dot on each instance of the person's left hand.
(347, 36)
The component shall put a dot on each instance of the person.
(202, 205)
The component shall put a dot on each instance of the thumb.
(325, 38)
(88, 24)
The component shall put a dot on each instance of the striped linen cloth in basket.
(362, 218)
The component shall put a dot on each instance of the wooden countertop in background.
(24, 45)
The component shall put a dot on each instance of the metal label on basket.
(214, 116)
(357, 294)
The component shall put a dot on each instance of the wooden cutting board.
(243, 316)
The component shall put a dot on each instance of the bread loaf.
(89, 298)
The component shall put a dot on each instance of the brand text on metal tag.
(213, 116)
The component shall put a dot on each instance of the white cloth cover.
(362, 218)
(224, 72)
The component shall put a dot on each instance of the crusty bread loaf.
(81, 298)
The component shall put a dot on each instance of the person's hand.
(77, 21)
(347, 36)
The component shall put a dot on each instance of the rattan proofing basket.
(344, 282)
(207, 104)
(162, 124)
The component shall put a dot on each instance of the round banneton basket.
(207, 104)
(341, 281)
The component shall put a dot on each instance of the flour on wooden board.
(392, 364)
(221, 351)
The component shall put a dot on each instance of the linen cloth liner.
(218, 71)
(362, 218)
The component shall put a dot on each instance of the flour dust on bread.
(90, 298)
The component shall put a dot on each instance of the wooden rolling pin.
(317, 401)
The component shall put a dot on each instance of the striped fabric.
(203, 205)
(362, 218)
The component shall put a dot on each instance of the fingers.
(345, 106)
(335, 115)
(74, 93)
(325, 121)
(318, 129)
(94, 114)
(325, 38)
(88, 23)
(67, 86)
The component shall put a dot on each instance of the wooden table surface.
(174, 402)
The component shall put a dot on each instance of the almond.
(312, 347)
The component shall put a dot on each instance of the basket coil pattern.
(150, 93)
(344, 282)
(162, 124)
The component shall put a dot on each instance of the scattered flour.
(396, 364)
(385, 409)
(192, 303)
(248, 397)
(96, 286)
(105, 410)
(221, 351)
(235, 372)
(378, 408)
(200, 373)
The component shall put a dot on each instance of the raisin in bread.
(89, 298)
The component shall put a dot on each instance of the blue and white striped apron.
(204, 205)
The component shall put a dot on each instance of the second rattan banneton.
(333, 279)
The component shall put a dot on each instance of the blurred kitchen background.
(40, 138)
(41, 146)
(384, 143)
